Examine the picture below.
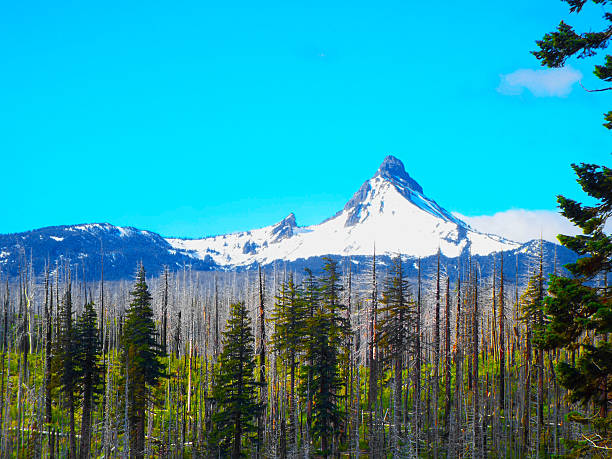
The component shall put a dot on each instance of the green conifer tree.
(141, 360)
(89, 370)
(310, 291)
(328, 334)
(395, 328)
(235, 389)
(578, 312)
(325, 383)
(65, 364)
(531, 305)
(330, 289)
(289, 317)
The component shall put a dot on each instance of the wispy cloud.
(523, 225)
(541, 83)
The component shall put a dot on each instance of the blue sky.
(197, 118)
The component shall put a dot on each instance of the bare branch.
(594, 90)
(594, 445)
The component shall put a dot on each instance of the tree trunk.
(501, 332)
(447, 358)
(86, 422)
(475, 391)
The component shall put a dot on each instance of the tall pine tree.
(65, 364)
(578, 312)
(235, 389)
(328, 334)
(395, 331)
(141, 360)
(89, 370)
(289, 316)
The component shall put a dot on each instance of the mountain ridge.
(389, 210)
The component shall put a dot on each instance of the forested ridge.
(298, 364)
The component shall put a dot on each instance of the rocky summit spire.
(284, 229)
(392, 169)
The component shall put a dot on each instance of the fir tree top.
(139, 341)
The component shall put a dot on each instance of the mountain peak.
(392, 169)
(290, 219)
(284, 228)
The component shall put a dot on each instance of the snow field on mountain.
(388, 211)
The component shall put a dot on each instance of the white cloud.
(541, 83)
(523, 225)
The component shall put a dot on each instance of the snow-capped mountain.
(83, 247)
(390, 211)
